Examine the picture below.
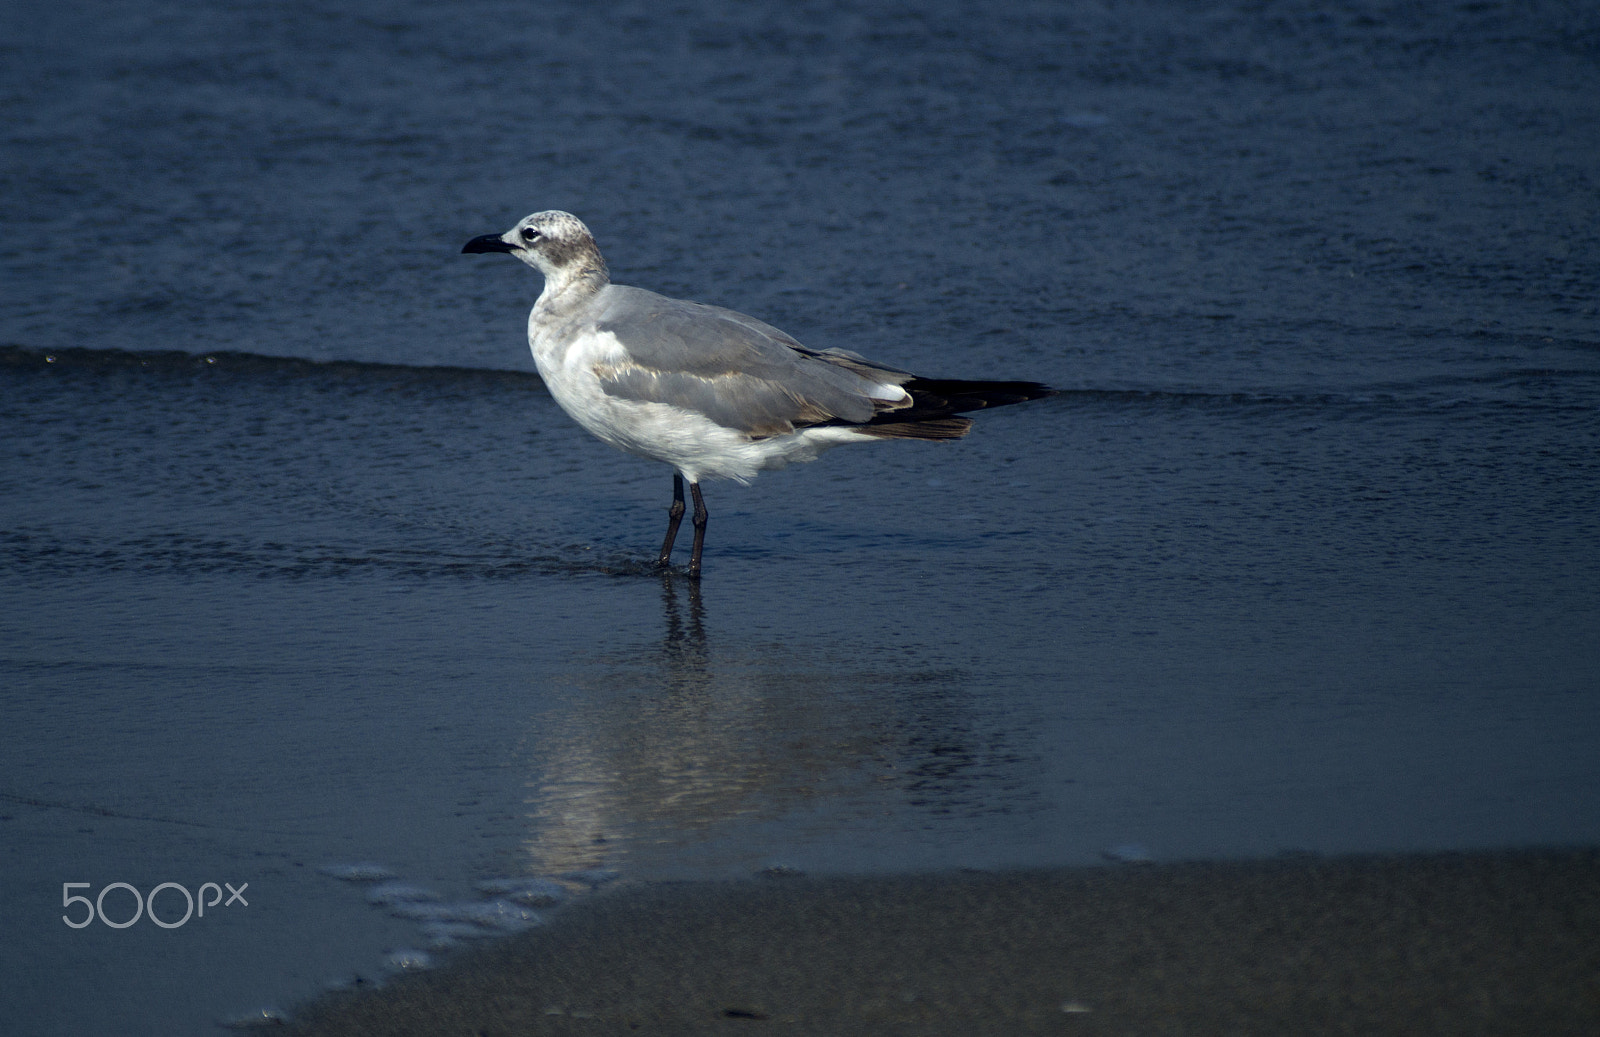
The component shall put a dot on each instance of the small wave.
(174, 361)
(1537, 387)
(35, 551)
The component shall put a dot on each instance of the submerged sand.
(1482, 943)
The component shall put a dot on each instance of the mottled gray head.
(555, 243)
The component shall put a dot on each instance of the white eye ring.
(529, 234)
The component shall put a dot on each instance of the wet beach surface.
(303, 568)
(1428, 944)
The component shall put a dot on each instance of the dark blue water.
(302, 566)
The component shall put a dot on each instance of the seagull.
(707, 390)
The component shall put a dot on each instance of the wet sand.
(1490, 943)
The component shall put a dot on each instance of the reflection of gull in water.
(675, 751)
(711, 392)
(685, 645)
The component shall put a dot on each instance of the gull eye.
(529, 234)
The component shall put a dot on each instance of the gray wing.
(737, 371)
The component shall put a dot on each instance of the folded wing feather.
(735, 370)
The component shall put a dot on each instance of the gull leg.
(674, 516)
(699, 531)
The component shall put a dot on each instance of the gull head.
(555, 243)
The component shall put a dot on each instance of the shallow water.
(302, 566)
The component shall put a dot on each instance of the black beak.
(487, 243)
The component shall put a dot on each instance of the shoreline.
(1479, 942)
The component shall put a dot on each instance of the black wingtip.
(958, 396)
